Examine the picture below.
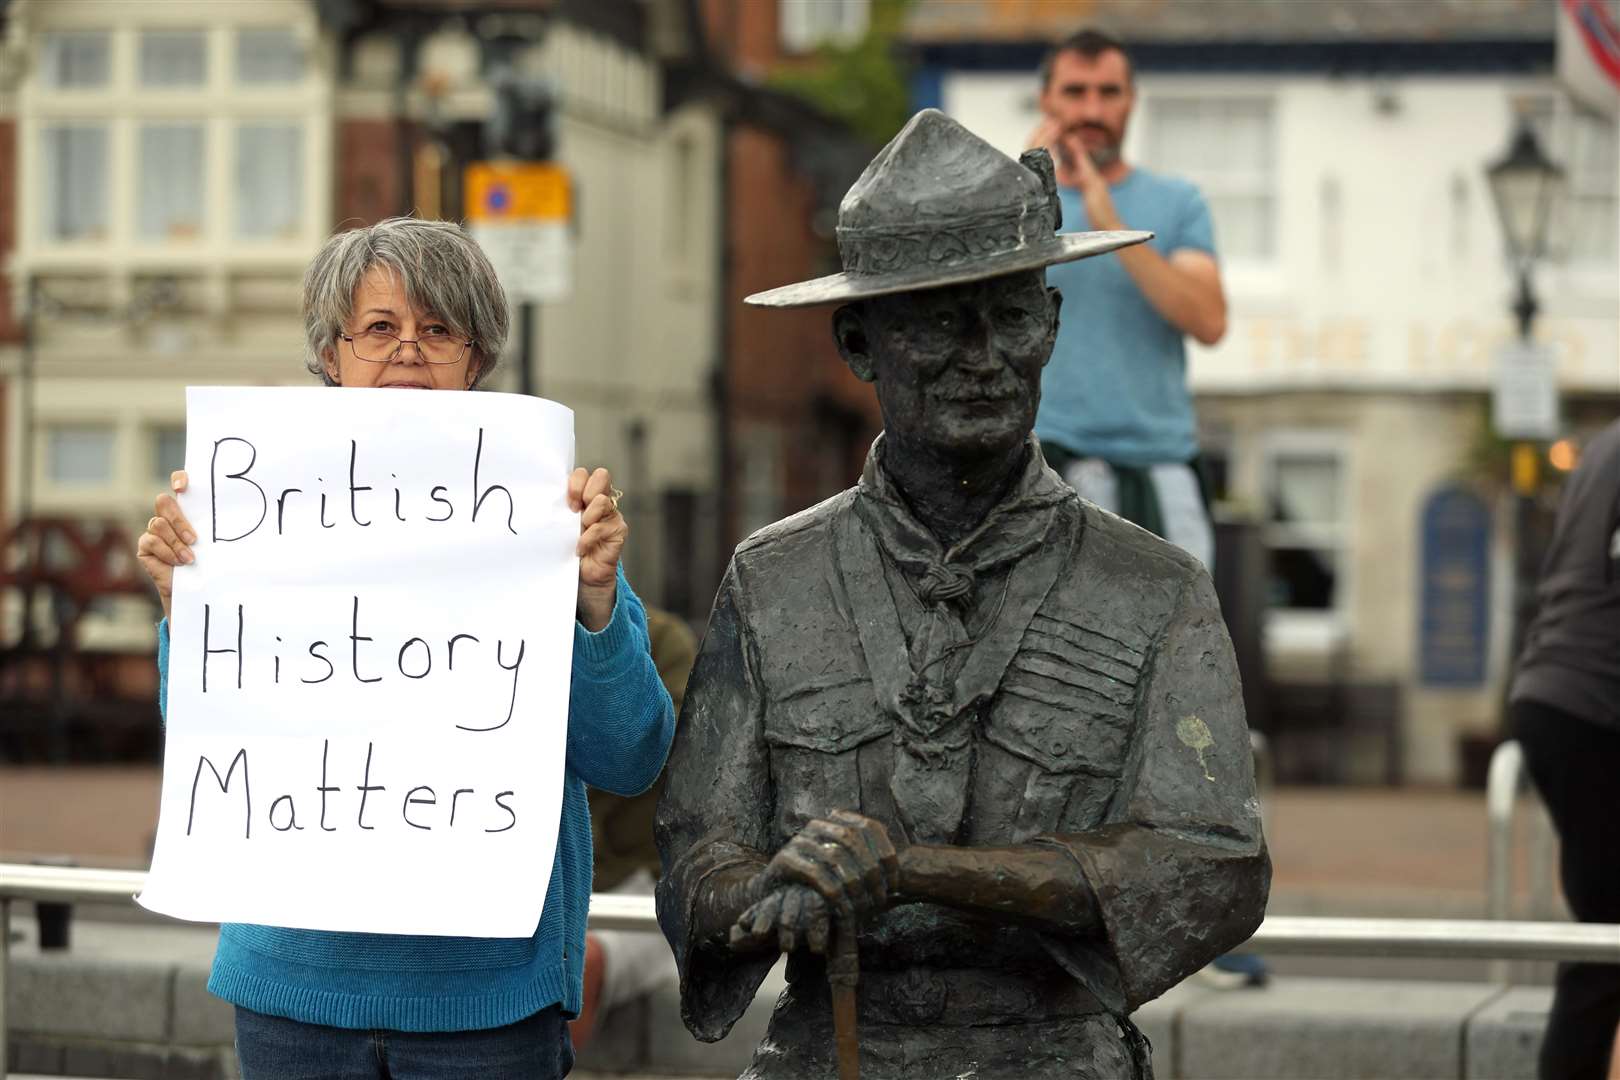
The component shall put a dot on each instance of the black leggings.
(1576, 766)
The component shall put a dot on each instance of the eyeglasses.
(381, 347)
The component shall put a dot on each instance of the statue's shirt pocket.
(815, 731)
(1063, 717)
(1067, 698)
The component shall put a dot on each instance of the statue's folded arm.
(713, 823)
(1179, 870)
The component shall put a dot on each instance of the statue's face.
(958, 369)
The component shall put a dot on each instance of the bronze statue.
(954, 719)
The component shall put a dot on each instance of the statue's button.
(1059, 747)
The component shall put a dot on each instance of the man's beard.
(1108, 153)
(1104, 156)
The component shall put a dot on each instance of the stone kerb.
(127, 1000)
(1160, 1021)
(96, 1015)
(1504, 1037)
(1329, 1029)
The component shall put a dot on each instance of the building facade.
(167, 170)
(798, 423)
(1342, 149)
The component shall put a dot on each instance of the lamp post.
(1527, 187)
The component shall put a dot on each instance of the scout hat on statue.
(940, 206)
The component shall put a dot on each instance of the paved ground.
(98, 815)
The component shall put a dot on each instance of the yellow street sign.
(518, 192)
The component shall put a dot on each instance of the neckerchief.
(936, 680)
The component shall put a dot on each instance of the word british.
(253, 507)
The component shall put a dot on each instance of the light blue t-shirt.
(1116, 387)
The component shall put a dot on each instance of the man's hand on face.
(1062, 145)
(1075, 169)
(1093, 190)
(843, 865)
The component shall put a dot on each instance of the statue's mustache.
(997, 390)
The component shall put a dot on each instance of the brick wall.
(5, 470)
(784, 369)
(368, 180)
(10, 329)
(744, 33)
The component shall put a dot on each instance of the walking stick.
(843, 971)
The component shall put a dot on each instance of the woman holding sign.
(415, 305)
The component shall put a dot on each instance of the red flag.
(1589, 53)
(1599, 33)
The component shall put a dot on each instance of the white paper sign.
(533, 259)
(1524, 399)
(369, 662)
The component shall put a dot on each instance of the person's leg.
(275, 1048)
(1573, 764)
(1181, 506)
(582, 1027)
(1094, 480)
(537, 1048)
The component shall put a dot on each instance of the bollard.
(5, 956)
(54, 917)
(55, 924)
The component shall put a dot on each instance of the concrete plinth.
(1329, 1029)
(1504, 1037)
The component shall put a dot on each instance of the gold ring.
(614, 495)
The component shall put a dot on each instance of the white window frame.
(123, 105)
(152, 436)
(107, 428)
(1582, 184)
(134, 408)
(688, 154)
(43, 60)
(797, 34)
(1581, 275)
(1171, 91)
(1299, 630)
(761, 482)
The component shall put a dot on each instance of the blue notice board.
(1454, 632)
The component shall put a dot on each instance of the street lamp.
(1527, 187)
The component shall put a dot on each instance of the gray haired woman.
(411, 304)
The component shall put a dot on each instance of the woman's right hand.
(167, 541)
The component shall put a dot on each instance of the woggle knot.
(943, 584)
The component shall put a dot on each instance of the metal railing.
(1490, 939)
(1505, 780)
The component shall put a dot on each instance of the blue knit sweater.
(620, 722)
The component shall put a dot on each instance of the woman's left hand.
(602, 532)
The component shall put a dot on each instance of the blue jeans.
(275, 1048)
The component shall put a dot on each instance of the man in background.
(1116, 419)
